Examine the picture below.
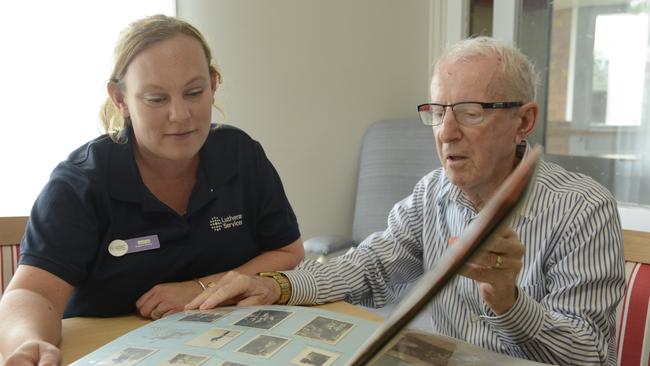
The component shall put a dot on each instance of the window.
(620, 45)
(598, 110)
(594, 61)
(56, 60)
(480, 17)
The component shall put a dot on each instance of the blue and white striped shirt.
(572, 278)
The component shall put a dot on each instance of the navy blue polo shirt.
(237, 210)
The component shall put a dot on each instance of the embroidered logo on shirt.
(226, 222)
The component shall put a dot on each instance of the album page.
(239, 336)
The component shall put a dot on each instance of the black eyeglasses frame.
(484, 105)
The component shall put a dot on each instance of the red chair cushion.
(633, 340)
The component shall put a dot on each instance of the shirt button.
(211, 190)
(475, 318)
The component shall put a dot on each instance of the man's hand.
(495, 267)
(35, 353)
(240, 289)
(167, 298)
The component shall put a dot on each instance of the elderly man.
(545, 290)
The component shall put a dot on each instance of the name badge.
(119, 247)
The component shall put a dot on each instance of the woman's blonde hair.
(137, 37)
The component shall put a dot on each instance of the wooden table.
(83, 335)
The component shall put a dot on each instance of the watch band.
(283, 281)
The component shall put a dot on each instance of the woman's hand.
(35, 353)
(167, 298)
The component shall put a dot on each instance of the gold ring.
(156, 313)
(499, 262)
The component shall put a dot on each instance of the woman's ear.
(117, 96)
(215, 78)
(527, 114)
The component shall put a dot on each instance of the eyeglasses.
(466, 113)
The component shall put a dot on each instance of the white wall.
(307, 77)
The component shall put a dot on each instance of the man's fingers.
(224, 293)
(197, 301)
(251, 300)
(214, 299)
(495, 260)
(486, 274)
(233, 288)
(503, 240)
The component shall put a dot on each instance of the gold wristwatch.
(283, 281)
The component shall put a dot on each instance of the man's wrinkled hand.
(237, 288)
(495, 267)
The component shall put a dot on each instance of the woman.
(147, 216)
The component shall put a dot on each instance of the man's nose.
(448, 129)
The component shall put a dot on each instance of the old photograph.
(214, 338)
(204, 316)
(263, 345)
(315, 357)
(127, 357)
(264, 319)
(325, 329)
(185, 359)
(419, 350)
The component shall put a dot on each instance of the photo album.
(312, 336)
(239, 336)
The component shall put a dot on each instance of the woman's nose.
(179, 110)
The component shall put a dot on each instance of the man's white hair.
(520, 79)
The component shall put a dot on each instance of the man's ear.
(117, 96)
(527, 114)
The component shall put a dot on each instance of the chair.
(395, 154)
(11, 232)
(633, 322)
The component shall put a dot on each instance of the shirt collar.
(217, 165)
(125, 182)
(219, 158)
(527, 208)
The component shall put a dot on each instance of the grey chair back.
(395, 154)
